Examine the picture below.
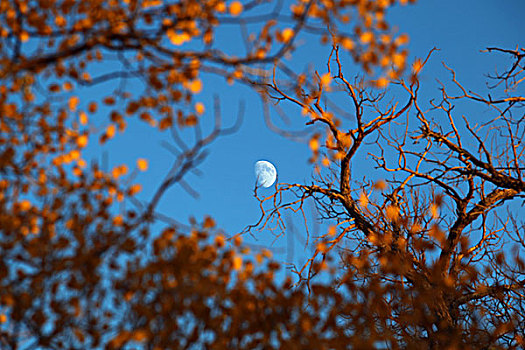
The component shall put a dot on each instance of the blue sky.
(460, 29)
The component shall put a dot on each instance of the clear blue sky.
(460, 29)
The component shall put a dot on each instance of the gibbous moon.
(265, 173)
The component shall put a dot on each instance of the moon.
(265, 173)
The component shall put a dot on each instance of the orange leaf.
(195, 86)
(142, 164)
(191, 120)
(79, 335)
(314, 144)
(374, 239)
(109, 100)
(392, 212)
(110, 131)
(416, 66)
(267, 253)
(326, 79)
(237, 262)
(24, 36)
(236, 8)
(401, 40)
(151, 3)
(380, 185)
(220, 241)
(67, 86)
(287, 34)
(347, 43)
(237, 240)
(25, 205)
(366, 37)
(118, 221)
(140, 335)
(134, 189)
(82, 141)
(434, 211)
(92, 107)
(209, 222)
(220, 7)
(60, 21)
(199, 108)
(382, 82)
(177, 38)
(74, 154)
(73, 103)
(83, 118)
(77, 171)
(363, 200)
(399, 60)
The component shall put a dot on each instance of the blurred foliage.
(418, 260)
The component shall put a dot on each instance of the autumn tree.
(437, 238)
(416, 259)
